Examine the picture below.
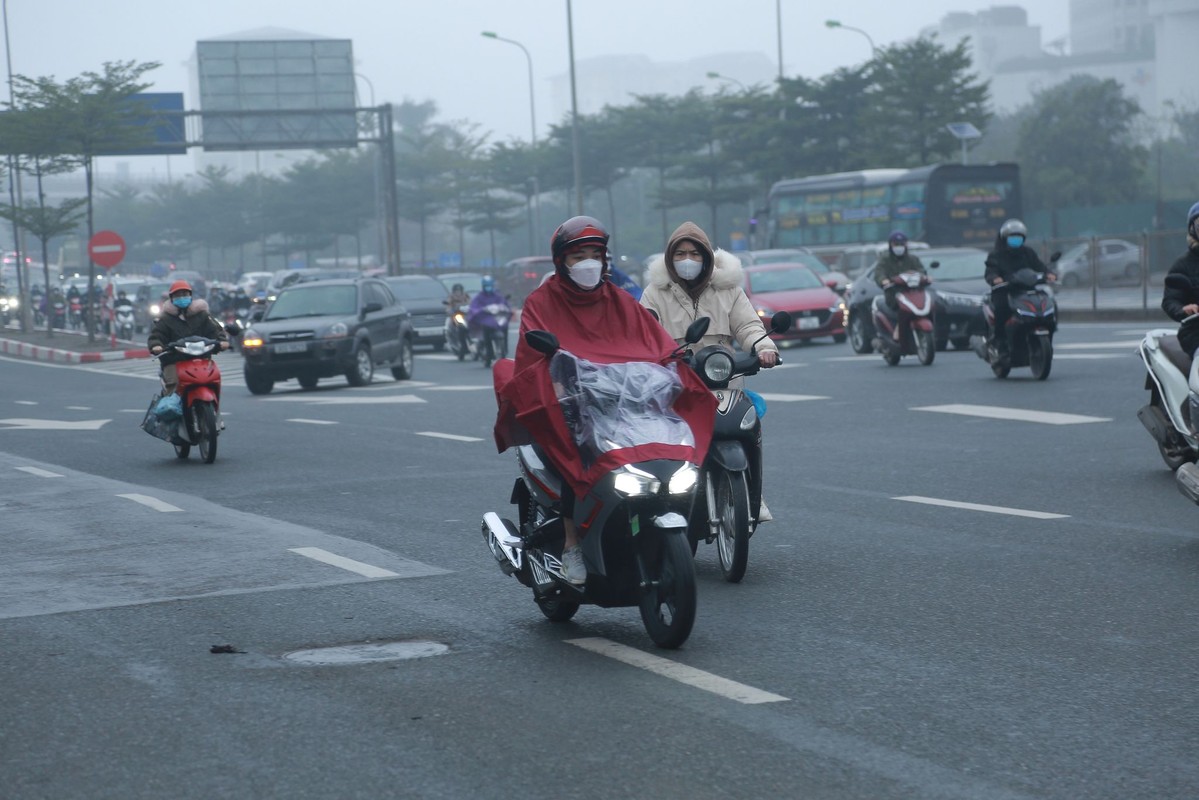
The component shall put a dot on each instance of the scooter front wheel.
(182, 451)
(926, 347)
(732, 541)
(668, 603)
(1040, 356)
(206, 423)
(557, 610)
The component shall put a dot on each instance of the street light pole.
(778, 20)
(532, 125)
(574, 113)
(832, 24)
(14, 194)
(716, 76)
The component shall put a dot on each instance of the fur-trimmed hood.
(198, 306)
(726, 271)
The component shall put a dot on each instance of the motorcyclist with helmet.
(1009, 256)
(458, 300)
(592, 319)
(181, 317)
(897, 260)
(1178, 303)
(479, 317)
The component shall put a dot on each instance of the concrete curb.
(12, 347)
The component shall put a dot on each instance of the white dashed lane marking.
(151, 502)
(790, 398)
(1013, 512)
(312, 421)
(332, 559)
(1017, 414)
(451, 436)
(682, 673)
(41, 473)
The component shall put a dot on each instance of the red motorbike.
(199, 387)
(908, 331)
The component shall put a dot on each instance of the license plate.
(291, 347)
(430, 331)
(808, 323)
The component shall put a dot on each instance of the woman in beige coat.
(691, 280)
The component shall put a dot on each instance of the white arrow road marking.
(1014, 512)
(151, 502)
(678, 672)
(347, 400)
(451, 436)
(1019, 414)
(53, 424)
(312, 421)
(25, 402)
(430, 357)
(141, 411)
(1087, 356)
(791, 398)
(41, 473)
(325, 557)
(79, 408)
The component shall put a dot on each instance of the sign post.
(107, 249)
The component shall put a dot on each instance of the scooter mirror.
(696, 330)
(780, 322)
(1055, 256)
(542, 341)
(232, 328)
(934, 265)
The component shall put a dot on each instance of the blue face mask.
(1015, 241)
(182, 302)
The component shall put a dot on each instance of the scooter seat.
(1174, 352)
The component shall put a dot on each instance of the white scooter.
(1172, 414)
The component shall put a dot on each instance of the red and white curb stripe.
(12, 347)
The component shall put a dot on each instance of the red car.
(816, 310)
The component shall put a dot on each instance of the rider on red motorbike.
(181, 317)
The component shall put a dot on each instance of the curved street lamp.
(716, 76)
(532, 123)
(833, 24)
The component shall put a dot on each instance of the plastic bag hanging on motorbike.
(169, 407)
(156, 426)
(613, 406)
(759, 402)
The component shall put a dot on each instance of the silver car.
(1117, 261)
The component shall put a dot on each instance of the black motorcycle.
(730, 488)
(1030, 328)
(636, 549)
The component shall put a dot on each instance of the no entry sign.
(106, 248)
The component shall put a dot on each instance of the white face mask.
(586, 274)
(688, 269)
(901, 251)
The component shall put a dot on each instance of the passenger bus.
(943, 204)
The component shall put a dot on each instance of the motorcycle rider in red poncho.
(594, 320)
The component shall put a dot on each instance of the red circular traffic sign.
(106, 248)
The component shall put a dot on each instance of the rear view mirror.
(780, 322)
(371, 308)
(696, 330)
(542, 341)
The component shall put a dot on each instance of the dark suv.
(326, 328)
(425, 298)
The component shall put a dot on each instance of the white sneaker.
(573, 568)
(764, 514)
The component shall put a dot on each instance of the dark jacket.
(891, 265)
(1174, 299)
(1004, 262)
(175, 324)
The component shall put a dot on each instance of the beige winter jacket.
(723, 301)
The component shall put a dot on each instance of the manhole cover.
(366, 653)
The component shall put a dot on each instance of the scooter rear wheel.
(732, 541)
(668, 605)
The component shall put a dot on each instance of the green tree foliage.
(1078, 147)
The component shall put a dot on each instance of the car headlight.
(765, 311)
(252, 339)
(837, 308)
(633, 482)
(14, 303)
(336, 331)
(684, 479)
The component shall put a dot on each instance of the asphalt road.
(1041, 647)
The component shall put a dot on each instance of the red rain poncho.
(606, 326)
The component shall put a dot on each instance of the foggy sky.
(432, 49)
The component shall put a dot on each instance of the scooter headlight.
(684, 479)
(155, 310)
(633, 482)
(460, 318)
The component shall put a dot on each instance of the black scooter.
(1029, 330)
(730, 491)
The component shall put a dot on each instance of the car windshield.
(417, 290)
(777, 256)
(956, 266)
(783, 280)
(1078, 251)
(314, 301)
(470, 282)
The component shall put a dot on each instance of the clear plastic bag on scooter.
(614, 406)
(160, 427)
